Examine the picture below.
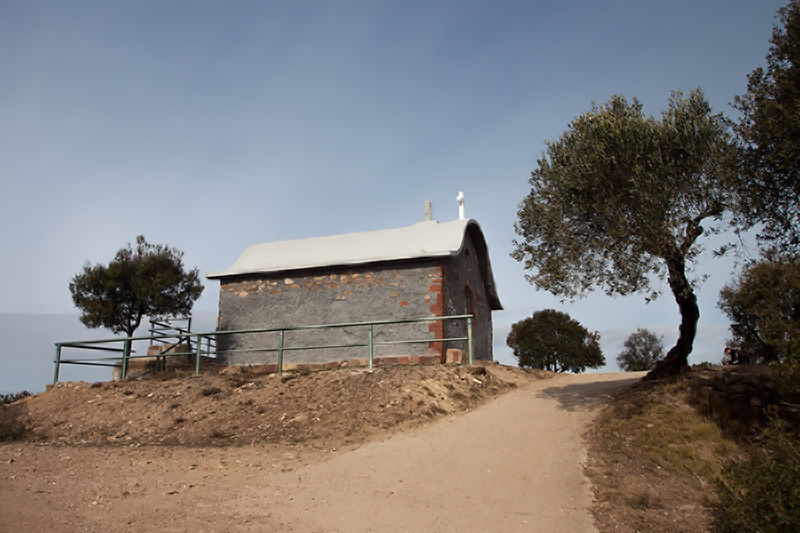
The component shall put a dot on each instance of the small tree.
(763, 305)
(551, 340)
(769, 130)
(643, 349)
(621, 196)
(146, 281)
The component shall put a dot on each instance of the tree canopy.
(643, 349)
(769, 131)
(551, 340)
(620, 197)
(763, 305)
(148, 280)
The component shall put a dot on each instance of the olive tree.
(763, 305)
(148, 280)
(621, 198)
(551, 340)
(643, 349)
(769, 131)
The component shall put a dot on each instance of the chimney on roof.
(461, 205)
(428, 211)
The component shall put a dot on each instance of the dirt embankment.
(323, 409)
(181, 454)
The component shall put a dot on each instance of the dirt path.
(510, 465)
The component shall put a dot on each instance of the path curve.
(515, 464)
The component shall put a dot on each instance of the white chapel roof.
(422, 240)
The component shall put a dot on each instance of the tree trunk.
(128, 347)
(677, 359)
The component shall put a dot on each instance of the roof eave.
(235, 273)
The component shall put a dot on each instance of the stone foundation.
(452, 357)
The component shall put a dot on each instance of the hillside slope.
(321, 409)
(244, 452)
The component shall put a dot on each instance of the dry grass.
(716, 449)
(654, 461)
(11, 430)
(10, 427)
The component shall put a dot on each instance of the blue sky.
(211, 126)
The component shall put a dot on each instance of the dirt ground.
(404, 448)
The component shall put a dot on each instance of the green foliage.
(786, 380)
(642, 349)
(551, 340)
(762, 492)
(769, 129)
(146, 281)
(619, 192)
(621, 196)
(764, 308)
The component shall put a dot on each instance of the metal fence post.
(199, 350)
(371, 346)
(58, 363)
(469, 341)
(280, 353)
(126, 353)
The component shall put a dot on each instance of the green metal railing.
(179, 330)
(167, 327)
(210, 349)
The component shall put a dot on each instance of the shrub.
(762, 492)
(11, 429)
(6, 399)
